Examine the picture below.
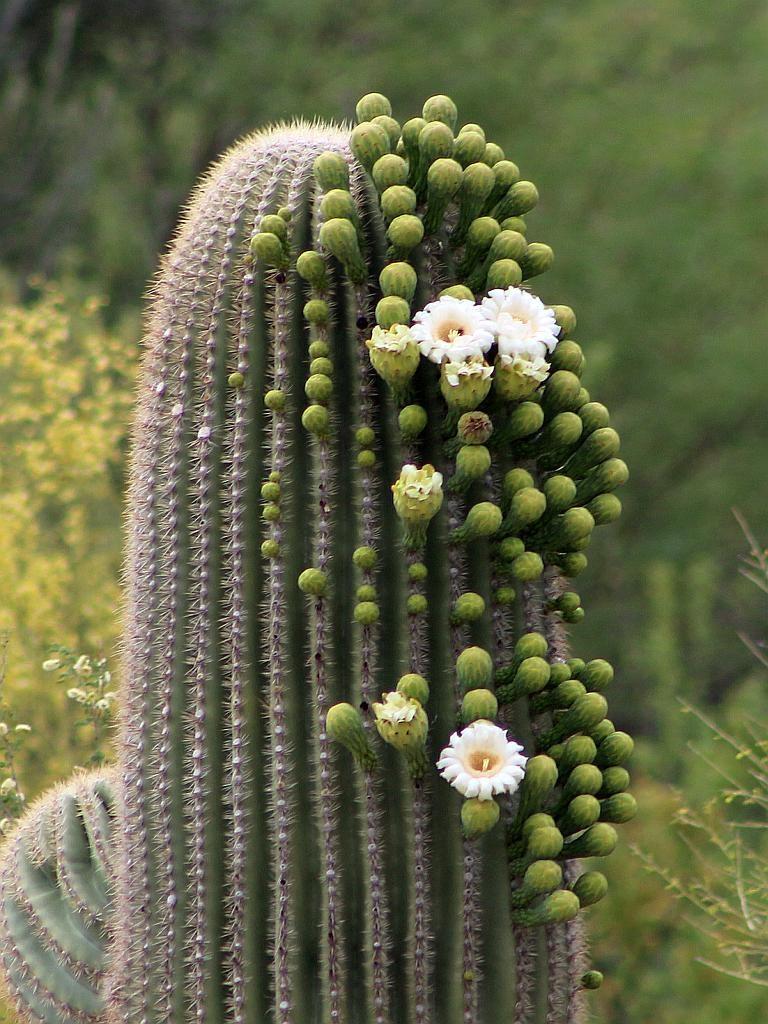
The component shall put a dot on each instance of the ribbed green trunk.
(263, 873)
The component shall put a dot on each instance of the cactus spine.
(365, 470)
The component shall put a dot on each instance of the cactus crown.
(358, 766)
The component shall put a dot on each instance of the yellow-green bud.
(593, 416)
(506, 174)
(275, 225)
(372, 105)
(344, 725)
(393, 352)
(366, 592)
(602, 730)
(604, 509)
(444, 179)
(236, 380)
(417, 572)
(619, 808)
(480, 235)
(392, 310)
(338, 203)
(311, 267)
(477, 705)
(365, 437)
(369, 141)
(468, 607)
(483, 520)
(435, 141)
(566, 318)
(615, 780)
(271, 512)
(411, 131)
(592, 980)
(516, 480)
(364, 557)
(474, 668)
(339, 237)
(270, 549)
(505, 596)
(270, 491)
(520, 198)
(414, 686)
(474, 428)
(561, 391)
(366, 613)
(478, 817)
(314, 582)
(316, 420)
(418, 495)
(477, 184)
(366, 459)
(316, 311)
(458, 291)
(514, 224)
(503, 274)
(398, 279)
(473, 461)
(440, 108)
(285, 213)
(511, 548)
(275, 400)
(319, 388)
(560, 492)
(412, 420)
(269, 249)
(416, 604)
(599, 840)
(544, 843)
(568, 356)
(390, 126)
(405, 232)
(538, 258)
(331, 171)
(398, 201)
(402, 722)
(581, 812)
(321, 365)
(527, 567)
(556, 908)
(507, 245)
(538, 820)
(388, 170)
(469, 148)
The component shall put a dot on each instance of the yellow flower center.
(482, 763)
(451, 332)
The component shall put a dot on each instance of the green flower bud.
(318, 349)
(566, 318)
(530, 677)
(236, 380)
(507, 245)
(598, 841)
(527, 567)
(398, 201)
(516, 480)
(458, 291)
(467, 607)
(412, 420)
(538, 258)
(503, 274)
(543, 876)
(274, 225)
(615, 780)
(275, 400)
(568, 356)
(478, 817)
(578, 750)
(514, 224)
(469, 149)
(398, 279)
(520, 198)
(560, 492)
(543, 843)
(316, 311)
(416, 604)
(319, 388)
(556, 908)
(331, 171)
(480, 235)
(584, 779)
(316, 419)
(344, 725)
(440, 108)
(269, 249)
(365, 437)
(472, 463)
(392, 310)
(537, 785)
(526, 507)
(435, 141)
(538, 820)
(388, 170)
(592, 980)
(321, 365)
(567, 529)
(366, 459)
(366, 592)
(338, 203)
(604, 509)
(492, 154)
(474, 428)
(483, 520)
(571, 563)
(372, 105)
(597, 674)
(391, 127)
(505, 596)
(581, 812)
(600, 445)
(619, 808)
(479, 704)
(561, 392)
(417, 572)
(593, 416)
(602, 731)
(366, 613)
(465, 385)
(274, 476)
(405, 232)
(590, 888)
(530, 645)
(564, 694)
(270, 491)
(603, 478)
(270, 549)
(474, 669)
(369, 141)
(523, 421)
(285, 213)
(339, 237)
(511, 548)
(444, 179)
(364, 558)
(411, 131)
(314, 582)
(414, 686)
(583, 714)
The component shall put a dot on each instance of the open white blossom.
(418, 493)
(520, 322)
(481, 762)
(453, 329)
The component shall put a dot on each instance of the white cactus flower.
(451, 328)
(481, 762)
(520, 322)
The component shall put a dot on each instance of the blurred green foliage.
(644, 126)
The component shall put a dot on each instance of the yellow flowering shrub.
(66, 392)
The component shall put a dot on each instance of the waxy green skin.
(240, 864)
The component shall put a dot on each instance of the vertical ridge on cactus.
(365, 470)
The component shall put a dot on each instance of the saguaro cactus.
(358, 766)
